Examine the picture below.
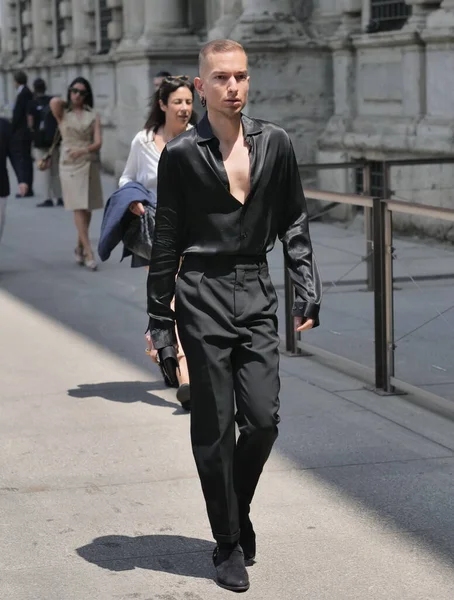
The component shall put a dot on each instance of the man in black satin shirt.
(226, 189)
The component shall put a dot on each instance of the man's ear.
(198, 84)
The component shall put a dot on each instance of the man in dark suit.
(5, 153)
(43, 127)
(21, 140)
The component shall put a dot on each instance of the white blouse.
(142, 163)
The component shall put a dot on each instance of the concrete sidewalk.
(99, 496)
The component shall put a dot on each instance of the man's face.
(224, 82)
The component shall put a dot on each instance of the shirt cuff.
(162, 333)
(307, 310)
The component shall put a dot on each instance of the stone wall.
(392, 98)
(342, 93)
(290, 59)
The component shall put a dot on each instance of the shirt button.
(243, 236)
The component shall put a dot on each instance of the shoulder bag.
(44, 163)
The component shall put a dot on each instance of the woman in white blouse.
(171, 114)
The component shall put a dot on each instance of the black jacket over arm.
(19, 121)
(197, 214)
(5, 153)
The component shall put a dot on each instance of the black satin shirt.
(197, 214)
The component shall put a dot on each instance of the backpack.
(44, 135)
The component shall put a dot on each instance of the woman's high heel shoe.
(80, 259)
(91, 264)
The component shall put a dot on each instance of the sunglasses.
(171, 78)
(75, 90)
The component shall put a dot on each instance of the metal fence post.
(383, 292)
(389, 280)
(379, 298)
(368, 229)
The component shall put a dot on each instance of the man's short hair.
(39, 86)
(20, 77)
(218, 47)
(163, 74)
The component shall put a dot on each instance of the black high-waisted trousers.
(226, 316)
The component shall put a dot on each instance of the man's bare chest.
(238, 169)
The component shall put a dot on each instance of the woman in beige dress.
(80, 174)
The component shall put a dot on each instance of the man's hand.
(23, 189)
(300, 326)
(150, 349)
(137, 208)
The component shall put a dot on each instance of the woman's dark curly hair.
(157, 116)
(88, 99)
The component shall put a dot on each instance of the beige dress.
(80, 178)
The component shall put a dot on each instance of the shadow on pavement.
(127, 392)
(167, 553)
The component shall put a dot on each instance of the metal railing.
(359, 164)
(379, 258)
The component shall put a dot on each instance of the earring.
(203, 102)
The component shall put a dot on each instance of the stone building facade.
(393, 87)
(347, 78)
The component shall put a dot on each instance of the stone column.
(166, 22)
(7, 35)
(161, 15)
(65, 12)
(115, 27)
(225, 19)
(345, 107)
(268, 20)
(25, 17)
(133, 24)
(82, 30)
(439, 39)
(324, 16)
(40, 29)
(420, 10)
(344, 60)
(444, 17)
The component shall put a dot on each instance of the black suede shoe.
(231, 572)
(60, 202)
(247, 542)
(184, 396)
(46, 204)
(29, 194)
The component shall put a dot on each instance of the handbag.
(138, 233)
(44, 163)
(168, 363)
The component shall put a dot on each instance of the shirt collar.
(19, 89)
(205, 133)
